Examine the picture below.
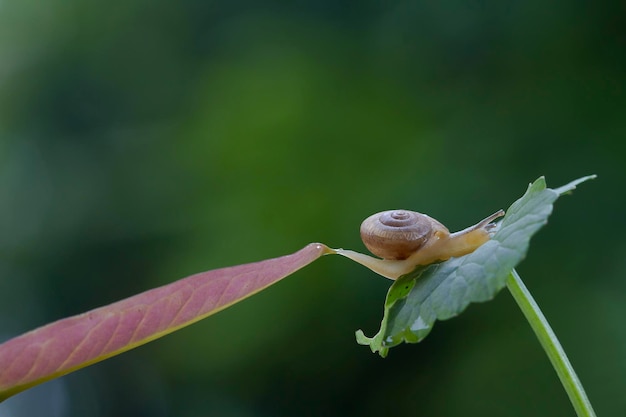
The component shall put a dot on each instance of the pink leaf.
(72, 343)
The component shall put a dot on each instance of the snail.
(405, 239)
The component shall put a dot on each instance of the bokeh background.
(143, 141)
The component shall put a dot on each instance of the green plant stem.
(551, 345)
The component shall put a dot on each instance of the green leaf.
(75, 342)
(441, 291)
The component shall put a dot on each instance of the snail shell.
(396, 234)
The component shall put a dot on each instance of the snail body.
(405, 239)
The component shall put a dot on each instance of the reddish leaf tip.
(72, 343)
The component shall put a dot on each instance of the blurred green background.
(143, 141)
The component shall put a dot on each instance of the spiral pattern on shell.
(396, 234)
